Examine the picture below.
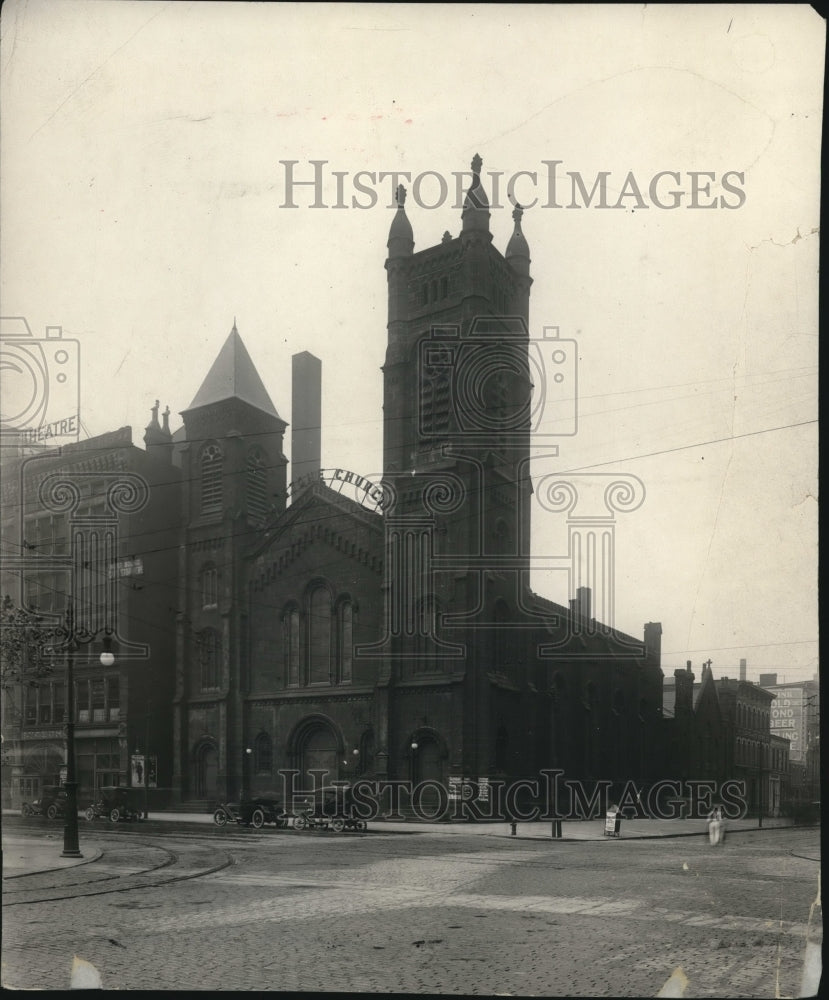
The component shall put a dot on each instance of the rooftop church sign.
(358, 488)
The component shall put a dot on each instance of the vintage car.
(117, 802)
(327, 808)
(254, 812)
(52, 803)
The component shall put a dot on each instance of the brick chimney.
(684, 689)
(653, 638)
(742, 670)
(583, 596)
(306, 416)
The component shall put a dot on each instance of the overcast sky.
(142, 204)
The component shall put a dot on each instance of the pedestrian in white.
(716, 826)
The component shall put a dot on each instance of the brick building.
(98, 520)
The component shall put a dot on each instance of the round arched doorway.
(206, 770)
(427, 760)
(318, 751)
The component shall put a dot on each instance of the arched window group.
(318, 639)
(432, 291)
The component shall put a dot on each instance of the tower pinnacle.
(475, 214)
(401, 237)
(518, 250)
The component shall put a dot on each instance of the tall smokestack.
(306, 415)
(742, 670)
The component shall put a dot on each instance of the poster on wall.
(137, 772)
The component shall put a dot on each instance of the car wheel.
(300, 823)
(52, 811)
(114, 815)
(220, 817)
(90, 814)
(361, 825)
(257, 819)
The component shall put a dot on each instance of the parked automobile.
(254, 812)
(327, 808)
(52, 803)
(117, 802)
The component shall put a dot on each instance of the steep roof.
(234, 376)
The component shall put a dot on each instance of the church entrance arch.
(317, 748)
(206, 770)
(427, 756)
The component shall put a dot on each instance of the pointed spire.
(401, 237)
(475, 214)
(518, 250)
(234, 376)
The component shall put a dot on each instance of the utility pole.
(147, 763)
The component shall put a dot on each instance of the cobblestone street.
(420, 913)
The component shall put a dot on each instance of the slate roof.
(234, 376)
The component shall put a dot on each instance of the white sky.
(141, 194)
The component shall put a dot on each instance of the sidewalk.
(636, 829)
(28, 855)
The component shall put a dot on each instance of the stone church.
(397, 638)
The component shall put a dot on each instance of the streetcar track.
(173, 858)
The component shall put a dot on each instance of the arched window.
(209, 586)
(257, 488)
(319, 636)
(211, 478)
(263, 754)
(290, 645)
(345, 630)
(209, 650)
(444, 287)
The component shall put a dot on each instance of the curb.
(58, 868)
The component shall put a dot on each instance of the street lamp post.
(248, 753)
(70, 827)
(71, 848)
